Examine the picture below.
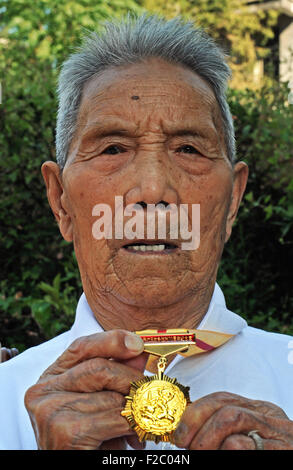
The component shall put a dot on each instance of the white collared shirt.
(254, 364)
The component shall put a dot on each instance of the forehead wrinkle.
(149, 95)
(118, 123)
(134, 82)
(108, 97)
(115, 109)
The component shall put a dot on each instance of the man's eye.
(113, 150)
(187, 149)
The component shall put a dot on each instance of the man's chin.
(150, 293)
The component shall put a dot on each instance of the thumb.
(138, 362)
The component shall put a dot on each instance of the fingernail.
(134, 342)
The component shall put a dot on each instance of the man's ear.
(239, 184)
(53, 180)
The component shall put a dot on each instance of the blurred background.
(39, 279)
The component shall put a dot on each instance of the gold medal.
(155, 404)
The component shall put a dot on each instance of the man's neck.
(188, 312)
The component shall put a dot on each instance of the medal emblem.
(155, 404)
(154, 407)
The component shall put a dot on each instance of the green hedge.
(256, 270)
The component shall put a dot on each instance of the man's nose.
(153, 182)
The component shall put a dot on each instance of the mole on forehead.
(177, 97)
(134, 86)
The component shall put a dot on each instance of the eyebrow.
(106, 132)
(103, 132)
(185, 133)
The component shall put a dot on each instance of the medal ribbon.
(180, 341)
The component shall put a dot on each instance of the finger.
(134, 442)
(86, 403)
(217, 399)
(242, 442)
(276, 444)
(94, 402)
(198, 412)
(138, 362)
(4, 354)
(14, 352)
(116, 344)
(81, 432)
(42, 407)
(114, 444)
(105, 425)
(226, 421)
(80, 421)
(91, 376)
(238, 442)
(7, 354)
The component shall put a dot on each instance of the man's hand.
(77, 401)
(222, 420)
(6, 354)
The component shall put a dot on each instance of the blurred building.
(282, 44)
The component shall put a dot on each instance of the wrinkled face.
(148, 132)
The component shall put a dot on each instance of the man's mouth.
(151, 248)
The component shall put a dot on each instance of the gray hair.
(129, 41)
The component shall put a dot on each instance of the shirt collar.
(85, 322)
(217, 318)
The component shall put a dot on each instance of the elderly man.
(143, 117)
